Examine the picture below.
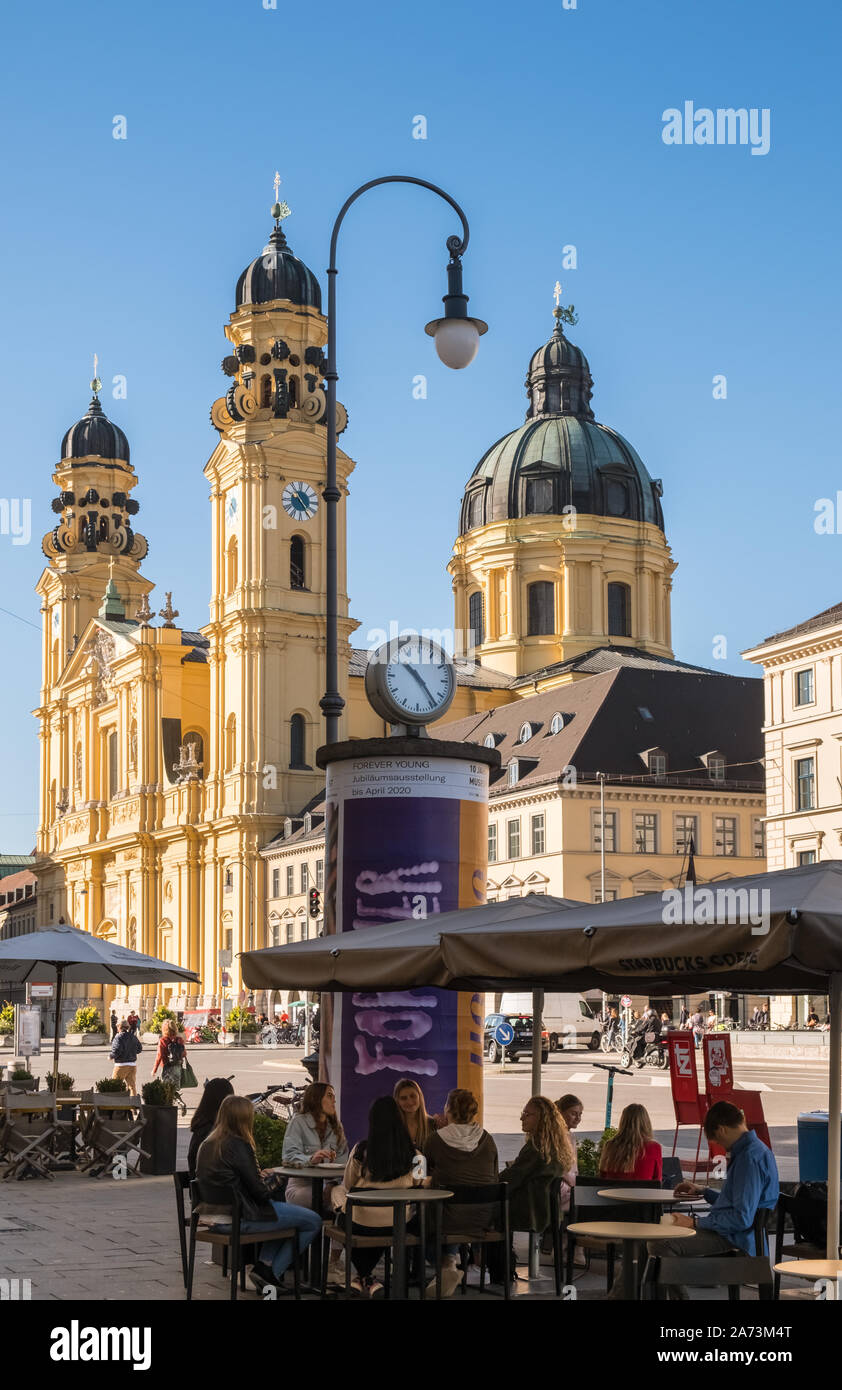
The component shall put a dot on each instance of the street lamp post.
(457, 337)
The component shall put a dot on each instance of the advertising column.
(406, 839)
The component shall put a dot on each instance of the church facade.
(180, 803)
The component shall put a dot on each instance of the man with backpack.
(125, 1048)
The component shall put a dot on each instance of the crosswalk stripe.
(753, 1086)
(583, 1076)
(660, 1080)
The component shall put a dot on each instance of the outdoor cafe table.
(399, 1198)
(653, 1197)
(813, 1269)
(317, 1174)
(631, 1235)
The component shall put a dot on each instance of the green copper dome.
(562, 457)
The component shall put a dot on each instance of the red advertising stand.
(719, 1084)
(689, 1104)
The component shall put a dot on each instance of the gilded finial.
(279, 210)
(562, 313)
(96, 384)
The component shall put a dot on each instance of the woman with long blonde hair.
(633, 1151)
(413, 1107)
(227, 1159)
(546, 1155)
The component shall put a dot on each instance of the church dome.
(277, 274)
(95, 434)
(562, 457)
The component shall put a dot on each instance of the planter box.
(85, 1039)
(6, 1039)
(233, 1040)
(153, 1038)
(160, 1139)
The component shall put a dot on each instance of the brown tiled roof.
(611, 719)
(470, 674)
(599, 659)
(829, 618)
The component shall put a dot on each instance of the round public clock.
(300, 501)
(410, 680)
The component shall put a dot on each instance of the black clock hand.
(423, 686)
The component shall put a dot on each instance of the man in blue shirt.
(751, 1184)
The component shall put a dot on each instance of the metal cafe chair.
(205, 1228)
(111, 1127)
(27, 1131)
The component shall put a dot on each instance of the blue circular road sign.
(504, 1034)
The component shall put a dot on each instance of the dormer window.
(308, 823)
(557, 723)
(656, 761)
(514, 772)
(525, 733)
(489, 741)
(715, 763)
(287, 828)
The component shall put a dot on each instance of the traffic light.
(315, 903)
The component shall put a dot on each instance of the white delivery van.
(567, 1018)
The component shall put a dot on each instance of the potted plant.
(269, 1134)
(66, 1082)
(240, 1027)
(160, 1127)
(589, 1153)
(21, 1079)
(86, 1029)
(112, 1085)
(7, 1024)
(150, 1031)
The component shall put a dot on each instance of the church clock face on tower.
(300, 501)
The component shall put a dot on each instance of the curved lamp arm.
(331, 702)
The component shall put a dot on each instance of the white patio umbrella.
(66, 955)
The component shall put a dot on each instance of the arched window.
(296, 563)
(232, 566)
(112, 765)
(230, 742)
(265, 392)
(473, 512)
(619, 610)
(525, 733)
(556, 723)
(476, 619)
(297, 748)
(541, 615)
(539, 496)
(489, 741)
(293, 390)
(617, 497)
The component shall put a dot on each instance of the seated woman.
(387, 1158)
(413, 1108)
(227, 1158)
(205, 1117)
(571, 1110)
(315, 1135)
(632, 1153)
(461, 1154)
(546, 1156)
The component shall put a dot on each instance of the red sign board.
(682, 1067)
(719, 1070)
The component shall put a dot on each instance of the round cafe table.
(655, 1198)
(813, 1269)
(399, 1198)
(317, 1174)
(631, 1235)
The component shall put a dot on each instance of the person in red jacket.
(633, 1152)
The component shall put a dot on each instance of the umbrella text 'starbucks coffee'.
(407, 839)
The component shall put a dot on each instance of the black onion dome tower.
(569, 459)
(95, 435)
(277, 274)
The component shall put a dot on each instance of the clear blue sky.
(546, 125)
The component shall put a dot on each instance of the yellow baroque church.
(177, 765)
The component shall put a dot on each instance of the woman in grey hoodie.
(461, 1154)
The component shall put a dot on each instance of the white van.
(567, 1018)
